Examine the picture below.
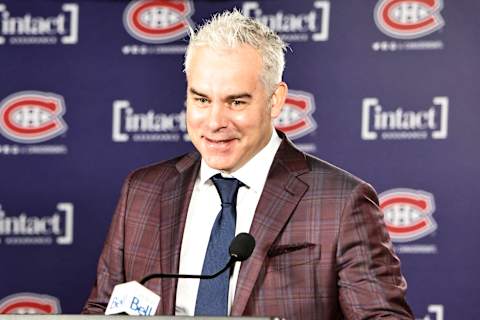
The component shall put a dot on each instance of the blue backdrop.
(90, 90)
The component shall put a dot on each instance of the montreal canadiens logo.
(408, 19)
(32, 116)
(29, 303)
(408, 213)
(296, 118)
(158, 21)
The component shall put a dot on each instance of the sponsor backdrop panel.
(91, 90)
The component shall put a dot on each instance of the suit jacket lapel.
(281, 194)
(176, 194)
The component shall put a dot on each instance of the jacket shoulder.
(331, 181)
(161, 171)
(315, 172)
(326, 170)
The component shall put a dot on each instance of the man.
(322, 251)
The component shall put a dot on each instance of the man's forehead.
(224, 71)
(228, 57)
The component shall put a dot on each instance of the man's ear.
(278, 99)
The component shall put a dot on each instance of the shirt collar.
(253, 173)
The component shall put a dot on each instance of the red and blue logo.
(408, 213)
(158, 21)
(29, 303)
(296, 119)
(408, 19)
(32, 116)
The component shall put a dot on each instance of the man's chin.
(219, 163)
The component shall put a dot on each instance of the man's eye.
(238, 103)
(201, 100)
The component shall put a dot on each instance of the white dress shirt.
(203, 209)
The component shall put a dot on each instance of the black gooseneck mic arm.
(173, 275)
(240, 249)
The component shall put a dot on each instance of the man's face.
(229, 111)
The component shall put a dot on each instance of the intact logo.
(150, 126)
(29, 303)
(408, 213)
(409, 19)
(30, 29)
(404, 123)
(158, 21)
(296, 119)
(23, 229)
(311, 25)
(32, 116)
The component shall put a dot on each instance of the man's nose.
(218, 116)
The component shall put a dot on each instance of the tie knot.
(227, 189)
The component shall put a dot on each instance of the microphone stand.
(189, 276)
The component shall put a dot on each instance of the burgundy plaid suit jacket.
(322, 248)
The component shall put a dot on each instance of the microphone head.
(242, 246)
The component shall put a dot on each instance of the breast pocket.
(290, 269)
(281, 257)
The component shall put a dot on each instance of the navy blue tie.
(212, 296)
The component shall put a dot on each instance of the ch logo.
(158, 21)
(32, 116)
(408, 19)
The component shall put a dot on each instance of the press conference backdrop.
(90, 90)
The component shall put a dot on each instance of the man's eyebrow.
(229, 97)
(239, 96)
(195, 92)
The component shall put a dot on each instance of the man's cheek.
(193, 119)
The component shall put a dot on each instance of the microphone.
(133, 298)
(240, 249)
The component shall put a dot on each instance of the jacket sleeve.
(110, 270)
(370, 283)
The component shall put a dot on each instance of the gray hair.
(232, 29)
